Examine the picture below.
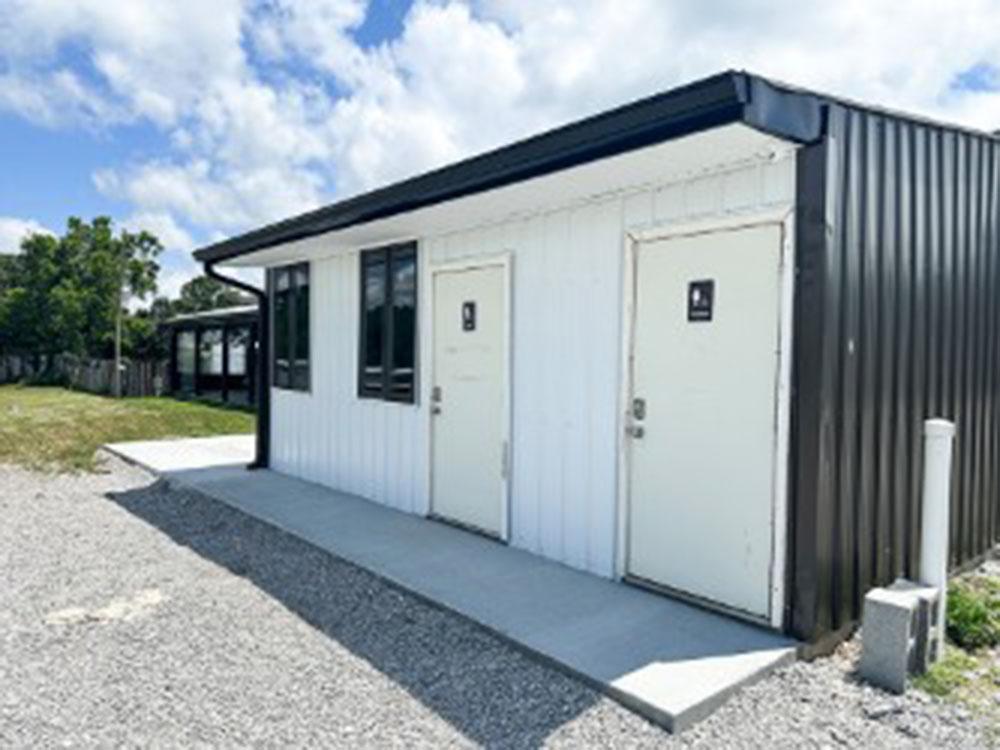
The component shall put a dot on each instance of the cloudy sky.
(198, 119)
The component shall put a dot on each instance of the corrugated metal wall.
(896, 321)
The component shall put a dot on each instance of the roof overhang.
(722, 99)
(219, 315)
(650, 170)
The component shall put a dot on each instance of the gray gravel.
(133, 614)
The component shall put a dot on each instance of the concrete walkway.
(669, 661)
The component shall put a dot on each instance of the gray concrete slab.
(670, 661)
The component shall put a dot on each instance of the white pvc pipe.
(939, 435)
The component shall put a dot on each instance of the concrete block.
(897, 625)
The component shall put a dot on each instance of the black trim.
(386, 254)
(698, 106)
(807, 594)
(261, 358)
(775, 108)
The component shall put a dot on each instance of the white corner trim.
(782, 428)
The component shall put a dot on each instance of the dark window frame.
(297, 375)
(387, 254)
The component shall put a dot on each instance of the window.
(185, 361)
(210, 352)
(290, 289)
(238, 340)
(388, 343)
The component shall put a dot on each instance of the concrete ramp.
(669, 661)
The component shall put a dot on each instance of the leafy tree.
(40, 284)
(8, 270)
(143, 338)
(68, 294)
(205, 293)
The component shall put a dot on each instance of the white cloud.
(171, 280)
(13, 230)
(271, 107)
(164, 227)
(147, 59)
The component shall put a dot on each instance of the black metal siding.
(896, 322)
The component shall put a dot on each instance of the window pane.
(282, 279)
(373, 306)
(282, 312)
(238, 383)
(301, 365)
(404, 320)
(210, 354)
(185, 360)
(238, 340)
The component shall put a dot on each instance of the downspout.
(263, 359)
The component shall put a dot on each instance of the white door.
(469, 398)
(704, 389)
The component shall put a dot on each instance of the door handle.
(639, 408)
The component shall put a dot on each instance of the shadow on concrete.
(669, 661)
(491, 693)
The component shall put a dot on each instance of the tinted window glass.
(387, 357)
(239, 338)
(301, 333)
(404, 324)
(282, 323)
(185, 361)
(291, 326)
(210, 353)
(373, 309)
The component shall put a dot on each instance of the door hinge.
(505, 460)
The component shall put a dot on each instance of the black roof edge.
(718, 100)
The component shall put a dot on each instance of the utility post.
(116, 376)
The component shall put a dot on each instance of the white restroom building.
(588, 345)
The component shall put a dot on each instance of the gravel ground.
(134, 614)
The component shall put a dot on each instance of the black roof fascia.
(721, 99)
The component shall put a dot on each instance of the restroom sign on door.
(701, 296)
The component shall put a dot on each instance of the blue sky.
(54, 166)
(201, 125)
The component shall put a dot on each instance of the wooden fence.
(92, 375)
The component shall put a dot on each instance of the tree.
(41, 285)
(133, 268)
(68, 294)
(205, 293)
(8, 271)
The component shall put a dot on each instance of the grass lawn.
(56, 429)
(969, 673)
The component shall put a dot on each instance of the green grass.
(974, 612)
(969, 672)
(970, 680)
(55, 429)
(950, 675)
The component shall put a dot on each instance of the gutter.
(263, 448)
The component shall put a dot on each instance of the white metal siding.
(365, 447)
(567, 279)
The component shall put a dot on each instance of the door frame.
(784, 218)
(504, 261)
